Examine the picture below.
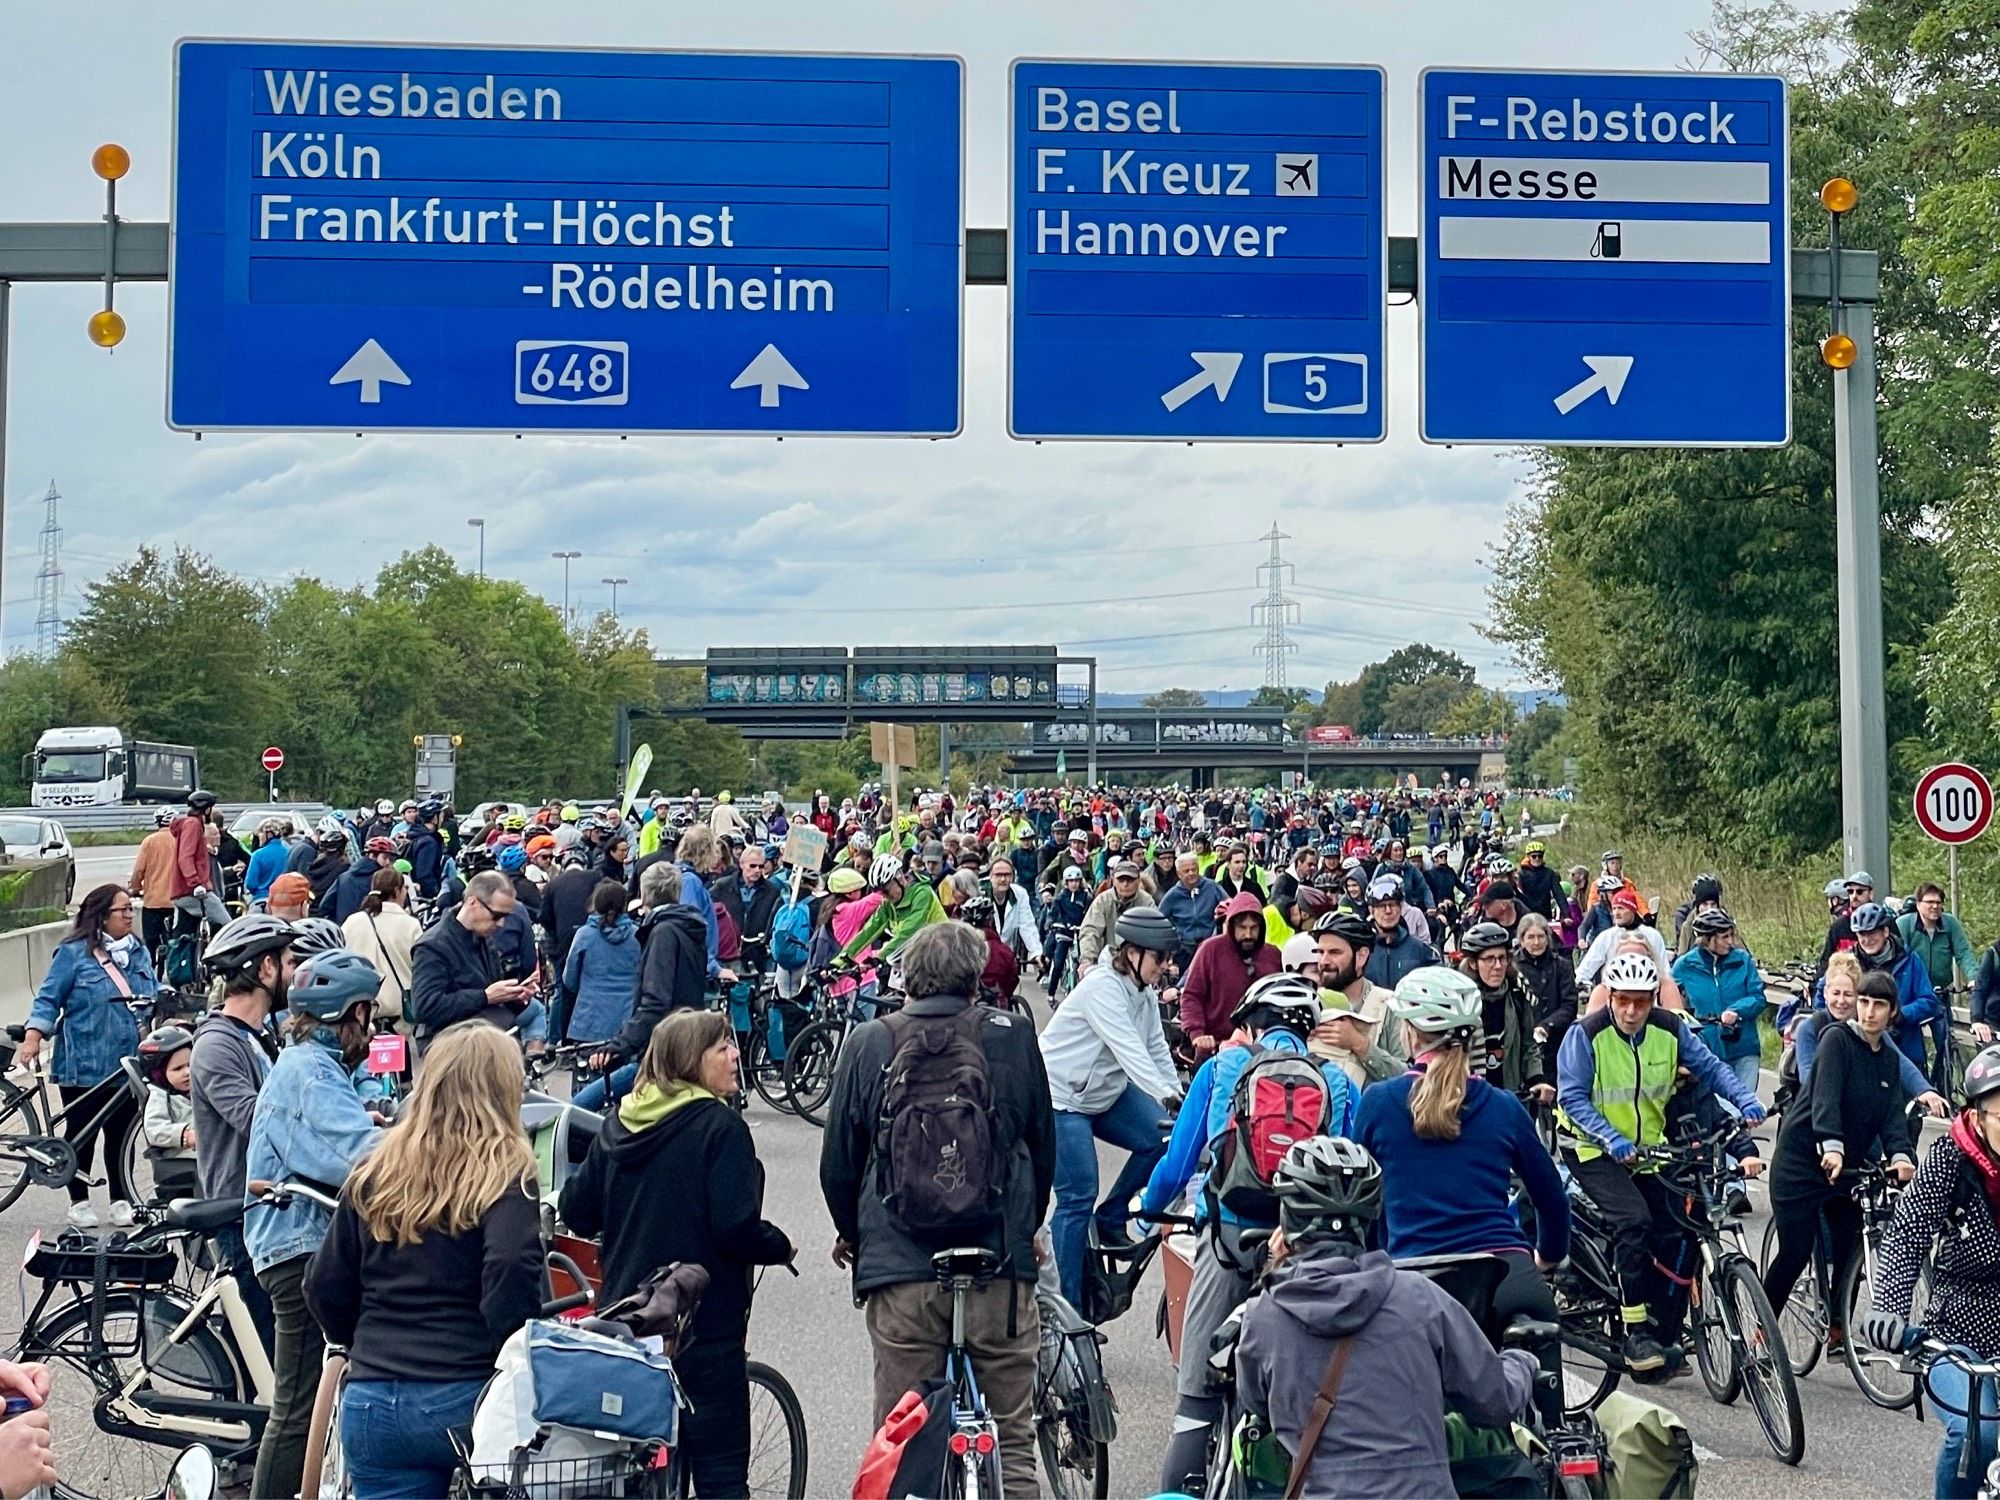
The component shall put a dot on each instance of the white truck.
(100, 766)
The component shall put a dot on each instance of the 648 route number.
(570, 372)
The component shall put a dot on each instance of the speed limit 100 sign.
(1954, 803)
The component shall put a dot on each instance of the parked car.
(37, 841)
(297, 820)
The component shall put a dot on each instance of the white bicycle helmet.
(1436, 999)
(887, 867)
(1287, 1000)
(1632, 971)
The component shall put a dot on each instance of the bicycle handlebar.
(281, 1194)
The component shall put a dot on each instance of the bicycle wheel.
(1882, 1378)
(1801, 1319)
(1587, 1303)
(766, 1075)
(134, 1174)
(1714, 1344)
(101, 1464)
(809, 1061)
(1766, 1369)
(777, 1437)
(20, 1120)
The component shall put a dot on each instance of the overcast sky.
(1141, 553)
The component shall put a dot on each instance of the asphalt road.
(107, 862)
(809, 1328)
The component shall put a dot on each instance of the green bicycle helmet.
(1436, 1000)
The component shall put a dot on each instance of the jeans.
(1746, 1069)
(1949, 1384)
(1131, 1123)
(604, 1092)
(295, 1367)
(395, 1434)
(532, 1025)
(209, 906)
(232, 1256)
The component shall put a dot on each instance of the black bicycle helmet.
(316, 935)
(1481, 937)
(1287, 1000)
(1328, 1189)
(157, 1049)
(978, 910)
(1145, 927)
(1353, 929)
(1711, 921)
(200, 800)
(1982, 1074)
(245, 940)
(1706, 887)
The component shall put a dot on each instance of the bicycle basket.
(73, 1257)
(628, 1472)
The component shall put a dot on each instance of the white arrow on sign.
(370, 365)
(1607, 374)
(767, 372)
(1217, 370)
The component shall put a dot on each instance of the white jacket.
(1106, 1034)
(1606, 943)
(386, 942)
(1017, 924)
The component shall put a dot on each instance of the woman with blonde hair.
(434, 1258)
(674, 1176)
(1449, 1142)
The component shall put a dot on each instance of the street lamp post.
(566, 559)
(615, 584)
(480, 523)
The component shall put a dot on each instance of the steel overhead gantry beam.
(1845, 280)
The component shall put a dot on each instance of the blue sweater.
(1205, 1114)
(1452, 1197)
(602, 971)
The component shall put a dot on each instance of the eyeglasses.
(119, 911)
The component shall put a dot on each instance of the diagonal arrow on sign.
(1608, 373)
(1217, 370)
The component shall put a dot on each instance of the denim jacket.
(310, 1125)
(81, 1007)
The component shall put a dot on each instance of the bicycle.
(756, 1015)
(972, 1469)
(136, 1361)
(1982, 1381)
(1817, 1304)
(1076, 1416)
(810, 1057)
(33, 1153)
(1738, 1347)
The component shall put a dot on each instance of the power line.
(48, 582)
(1276, 611)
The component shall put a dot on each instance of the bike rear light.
(1578, 1467)
(960, 1445)
(983, 1444)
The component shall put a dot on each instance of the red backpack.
(908, 1454)
(1280, 1098)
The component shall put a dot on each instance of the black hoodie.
(685, 1186)
(673, 973)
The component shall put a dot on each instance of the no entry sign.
(1954, 803)
(274, 760)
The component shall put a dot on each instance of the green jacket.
(1936, 951)
(1624, 1084)
(902, 921)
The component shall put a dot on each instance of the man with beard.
(1351, 1033)
(1222, 971)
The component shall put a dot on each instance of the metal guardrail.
(139, 816)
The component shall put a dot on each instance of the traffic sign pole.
(1864, 733)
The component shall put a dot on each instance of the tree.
(1175, 698)
(1478, 711)
(1422, 707)
(1268, 696)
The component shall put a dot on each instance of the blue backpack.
(791, 935)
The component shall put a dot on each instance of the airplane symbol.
(1295, 175)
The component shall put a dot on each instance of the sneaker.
(1643, 1353)
(82, 1215)
(121, 1214)
(1836, 1343)
(1739, 1201)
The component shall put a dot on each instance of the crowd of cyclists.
(1340, 1037)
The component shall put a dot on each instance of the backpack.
(937, 1167)
(791, 935)
(909, 1452)
(1280, 1098)
(180, 962)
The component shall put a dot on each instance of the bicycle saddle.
(204, 1215)
(976, 1264)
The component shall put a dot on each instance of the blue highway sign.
(1606, 259)
(1197, 251)
(427, 238)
